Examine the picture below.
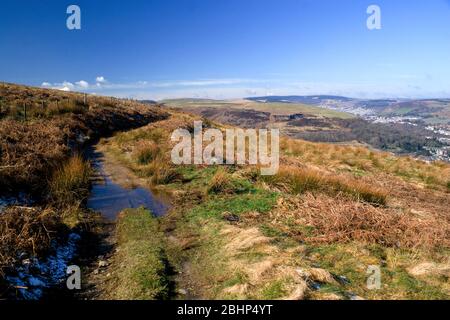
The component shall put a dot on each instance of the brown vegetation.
(300, 180)
(30, 151)
(333, 220)
(340, 209)
(26, 230)
(27, 154)
(71, 182)
(39, 131)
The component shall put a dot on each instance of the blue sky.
(154, 49)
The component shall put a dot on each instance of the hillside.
(44, 180)
(309, 232)
(275, 108)
(312, 231)
(431, 111)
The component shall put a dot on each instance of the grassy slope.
(236, 235)
(37, 156)
(274, 108)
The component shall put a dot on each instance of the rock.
(342, 280)
(230, 217)
(321, 275)
(182, 292)
(102, 264)
(96, 271)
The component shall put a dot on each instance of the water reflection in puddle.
(110, 199)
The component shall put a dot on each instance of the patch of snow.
(33, 277)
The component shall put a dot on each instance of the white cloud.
(204, 82)
(82, 84)
(100, 79)
(68, 84)
(233, 88)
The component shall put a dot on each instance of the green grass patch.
(274, 290)
(259, 201)
(142, 272)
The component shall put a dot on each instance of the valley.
(418, 128)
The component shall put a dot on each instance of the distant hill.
(152, 102)
(274, 108)
(430, 110)
(300, 99)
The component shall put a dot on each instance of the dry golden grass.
(358, 158)
(47, 103)
(70, 183)
(35, 158)
(145, 152)
(322, 219)
(220, 183)
(300, 180)
(223, 182)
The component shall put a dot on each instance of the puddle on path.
(110, 198)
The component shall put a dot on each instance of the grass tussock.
(164, 174)
(146, 152)
(224, 183)
(141, 272)
(300, 180)
(70, 183)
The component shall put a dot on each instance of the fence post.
(25, 111)
(85, 99)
